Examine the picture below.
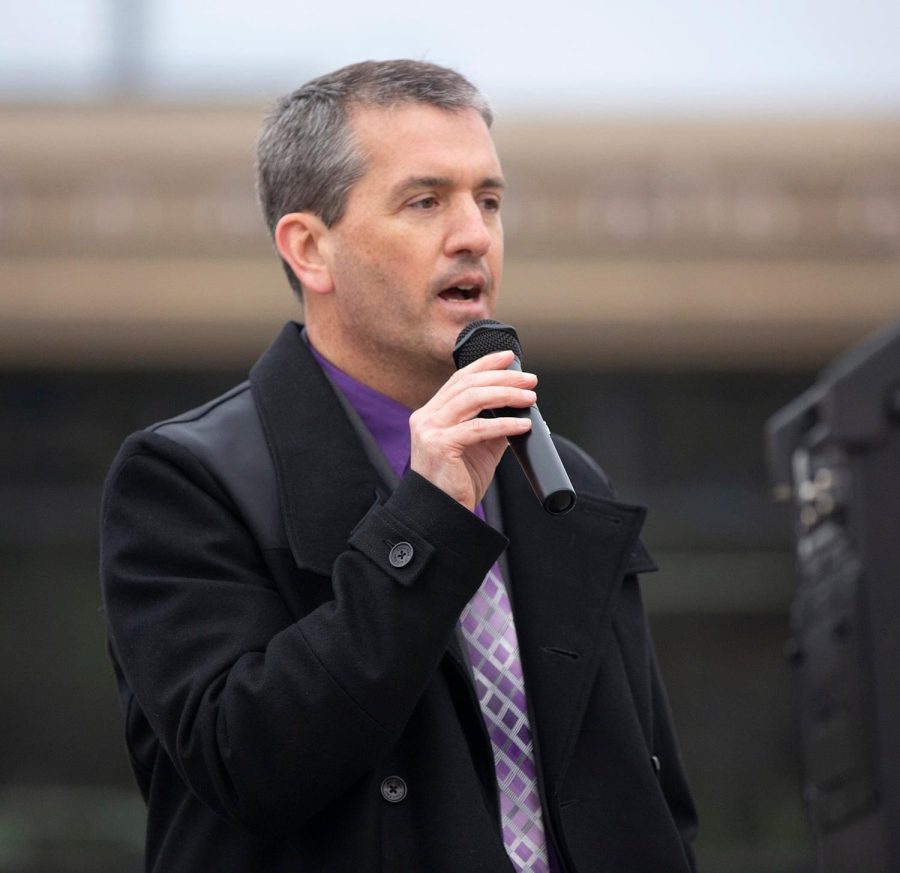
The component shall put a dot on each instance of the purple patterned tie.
(487, 625)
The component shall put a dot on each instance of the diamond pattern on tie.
(488, 627)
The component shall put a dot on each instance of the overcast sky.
(638, 55)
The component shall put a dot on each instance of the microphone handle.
(539, 459)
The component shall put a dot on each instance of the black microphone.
(534, 450)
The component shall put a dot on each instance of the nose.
(469, 233)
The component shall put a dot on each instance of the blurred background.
(704, 211)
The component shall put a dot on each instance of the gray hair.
(306, 158)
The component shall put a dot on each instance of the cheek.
(386, 258)
(391, 260)
(411, 262)
(495, 259)
(359, 263)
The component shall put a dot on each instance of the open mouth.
(461, 293)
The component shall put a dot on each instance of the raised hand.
(455, 449)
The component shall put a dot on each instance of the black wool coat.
(294, 702)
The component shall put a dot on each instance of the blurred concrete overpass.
(129, 235)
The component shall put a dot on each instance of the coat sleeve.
(267, 718)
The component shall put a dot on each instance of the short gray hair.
(306, 159)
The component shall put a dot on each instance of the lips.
(463, 289)
(461, 292)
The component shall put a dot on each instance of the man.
(329, 656)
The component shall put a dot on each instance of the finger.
(498, 362)
(464, 379)
(496, 377)
(481, 430)
(492, 361)
(469, 403)
(430, 457)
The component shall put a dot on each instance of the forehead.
(421, 139)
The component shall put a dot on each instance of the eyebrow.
(414, 183)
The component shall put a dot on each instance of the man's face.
(418, 253)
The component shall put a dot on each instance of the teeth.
(464, 292)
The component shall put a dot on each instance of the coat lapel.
(566, 574)
(326, 483)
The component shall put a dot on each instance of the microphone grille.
(482, 337)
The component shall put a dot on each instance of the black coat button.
(401, 554)
(393, 789)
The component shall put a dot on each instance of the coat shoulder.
(590, 479)
(583, 470)
(224, 439)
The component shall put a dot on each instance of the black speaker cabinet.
(835, 453)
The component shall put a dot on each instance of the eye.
(425, 203)
(490, 203)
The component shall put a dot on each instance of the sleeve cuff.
(419, 524)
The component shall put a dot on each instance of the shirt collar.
(386, 419)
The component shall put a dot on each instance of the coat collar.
(326, 483)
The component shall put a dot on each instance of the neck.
(408, 382)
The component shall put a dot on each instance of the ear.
(302, 240)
